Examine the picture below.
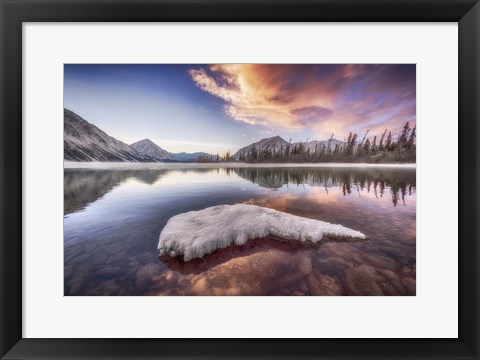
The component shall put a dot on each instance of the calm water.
(113, 219)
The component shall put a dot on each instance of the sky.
(223, 107)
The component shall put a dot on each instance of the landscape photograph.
(239, 179)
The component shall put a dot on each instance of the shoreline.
(155, 166)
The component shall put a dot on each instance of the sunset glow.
(216, 108)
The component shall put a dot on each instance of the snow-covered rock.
(197, 233)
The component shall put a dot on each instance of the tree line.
(383, 149)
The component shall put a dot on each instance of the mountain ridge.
(277, 143)
(274, 143)
(83, 141)
(148, 147)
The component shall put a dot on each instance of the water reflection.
(113, 220)
(400, 181)
(220, 256)
(82, 187)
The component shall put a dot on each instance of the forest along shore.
(130, 165)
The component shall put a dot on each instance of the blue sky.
(216, 108)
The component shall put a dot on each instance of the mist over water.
(113, 219)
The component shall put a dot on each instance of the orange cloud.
(325, 98)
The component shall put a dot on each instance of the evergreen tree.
(411, 139)
(366, 147)
(404, 136)
(388, 143)
(354, 142)
(380, 145)
(253, 153)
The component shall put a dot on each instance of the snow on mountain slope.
(85, 142)
(275, 143)
(197, 233)
(148, 147)
(322, 145)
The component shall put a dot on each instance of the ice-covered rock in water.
(197, 233)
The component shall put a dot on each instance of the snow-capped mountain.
(316, 145)
(148, 147)
(86, 142)
(83, 141)
(275, 143)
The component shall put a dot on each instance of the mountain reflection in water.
(113, 219)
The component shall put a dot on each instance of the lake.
(113, 219)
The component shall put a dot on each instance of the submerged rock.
(220, 256)
(411, 285)
(367, 280)
(378, 261)
(323, 285)
(259, 273)
(145, 275)
(361, 281)
(109, 271)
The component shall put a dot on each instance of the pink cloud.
(324, 98)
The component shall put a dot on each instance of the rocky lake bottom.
(113, 219)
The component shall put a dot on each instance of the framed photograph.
(325, 217)
(236, 179)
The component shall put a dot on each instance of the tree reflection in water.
(400, 181)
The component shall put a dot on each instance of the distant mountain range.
(277, 143)
(148, 147)
(86, 142)
(83, 141)
(324, 144)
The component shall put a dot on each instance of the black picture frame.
(15, 12)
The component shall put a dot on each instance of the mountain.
(86, 142)
(148, 147)
(274, 143)
(192, 157)
(324, 144)
(83, 141)
(277, 143)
